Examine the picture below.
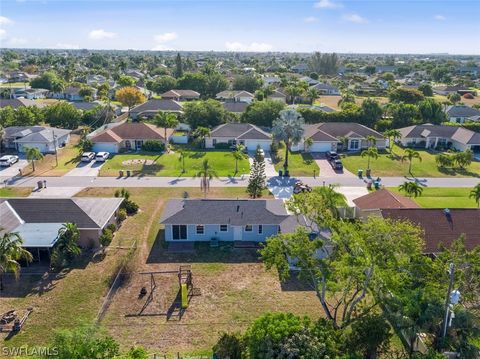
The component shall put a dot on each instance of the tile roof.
(440, 227)
(132, 131)
(383, 198)
(243, 131)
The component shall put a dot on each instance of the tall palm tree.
(11, 252)
(392, 135)
(206, 173)
(332, 198)
(293, 91)
(411, 189)
(33, 154)
(370, 152)
(289, 129)
(238, 155)
(202, 133)
(409, 156)
(312, 94)
(181, 152)
(475, 194)
(166, 121)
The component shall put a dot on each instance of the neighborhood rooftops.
(234, 94)
(131, 130)
(180, 93)
(243, 131)
(441, 226)
(20, 102)
(228, 211)
(156, 105)
(462, 111)
(456, 133)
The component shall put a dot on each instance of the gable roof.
(224, 211)
(180, 93)
(243, 131)
(86, 213)
(383, 198)
(322, 86)
(132, 130)
(236, 107)
(155, 105)
(457, 133)
(332, 131)
(462, 111)
(34, 134)
(441, 226)
(233, 94)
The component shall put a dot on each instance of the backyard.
(170, 165)
(388, 165)
(235, 288)
(299, 163)
(443, 197)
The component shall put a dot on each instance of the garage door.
(252, 145)
(321, 147)
(105, 147)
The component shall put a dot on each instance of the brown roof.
(383, 199)
(180, 93)
(441, 226)
(132, 130)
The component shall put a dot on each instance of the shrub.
(222, 146)
(229, 346)
(106, 237)
(122, 214)
(153, 146)
(112, 227)
(468, 96)
(130, 206)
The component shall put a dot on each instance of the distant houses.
(153, 106)
(180, 95)
(462, 113)
(235, 96)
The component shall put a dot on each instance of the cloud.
(3, 33)
(5, 21)
(101, 34)
(17, 41)
(310, 19)
(439, 17)
(168, 36)
(252, 47)
(327, 4)
(355, 18)
(62, 45)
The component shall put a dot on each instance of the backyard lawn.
(299, 163)
(444, 197)
(170, 165)
(388, 166)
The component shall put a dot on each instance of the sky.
(348, 26)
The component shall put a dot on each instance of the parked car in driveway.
(88, 156)
(8, 160)
(337, 165)
(331, 155)
(102, 156)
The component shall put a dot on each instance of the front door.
(237, 233)
(138, 144)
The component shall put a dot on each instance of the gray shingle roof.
(224, 211)
(39, 134)
(244, 131)
(456, 133)
(155, 105)
(462, 111)
(331, 131)
(235, 107)
(19, 102)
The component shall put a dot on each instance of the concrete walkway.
(86, 181)
(56, 192)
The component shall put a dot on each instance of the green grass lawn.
(299, 163)
(444, 197)
(390, 166)
(169, 165)
(15, 192)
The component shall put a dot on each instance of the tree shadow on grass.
(148, 170)
(307, 158)
(197, 155)
(458, 172)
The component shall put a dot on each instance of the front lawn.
(444, 197)
(15, 191)
(170, 165)
(387, 165)
(299, 163)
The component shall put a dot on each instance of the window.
(354, 144)
(179, 232)
(248, 228)
(200, 229)
(214, 141)
(223, 228)
(260, 229)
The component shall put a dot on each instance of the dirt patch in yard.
(139, 161)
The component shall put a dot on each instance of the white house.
(30, 94)
(462, 113)
(46, 139)
(326, 89)
(235, 96)
(246, 134)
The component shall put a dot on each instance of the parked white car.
(88, 156)
(102, 156)
(8, 160)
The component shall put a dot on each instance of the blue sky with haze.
(387, 26)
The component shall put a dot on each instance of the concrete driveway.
(13, 170)
(326, 170)
(90, 169)
(352, 193)
(269, 167)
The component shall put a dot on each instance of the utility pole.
(55, 145)
(451, 273)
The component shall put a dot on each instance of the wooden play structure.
(186, 291)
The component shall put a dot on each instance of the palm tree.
(166, 121)
(371, 140)
(309, 143)
(202, 133)
(332, 198)
(238, 155)
(182, 158)
(289, 129)
(33, 154)
(475, 194)
(312, 94)
(392, 135)
(11, 252)
(66, 246)
(293, 91)
(370, 152)
(206, 173)
(411, 189)
(410, 155)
